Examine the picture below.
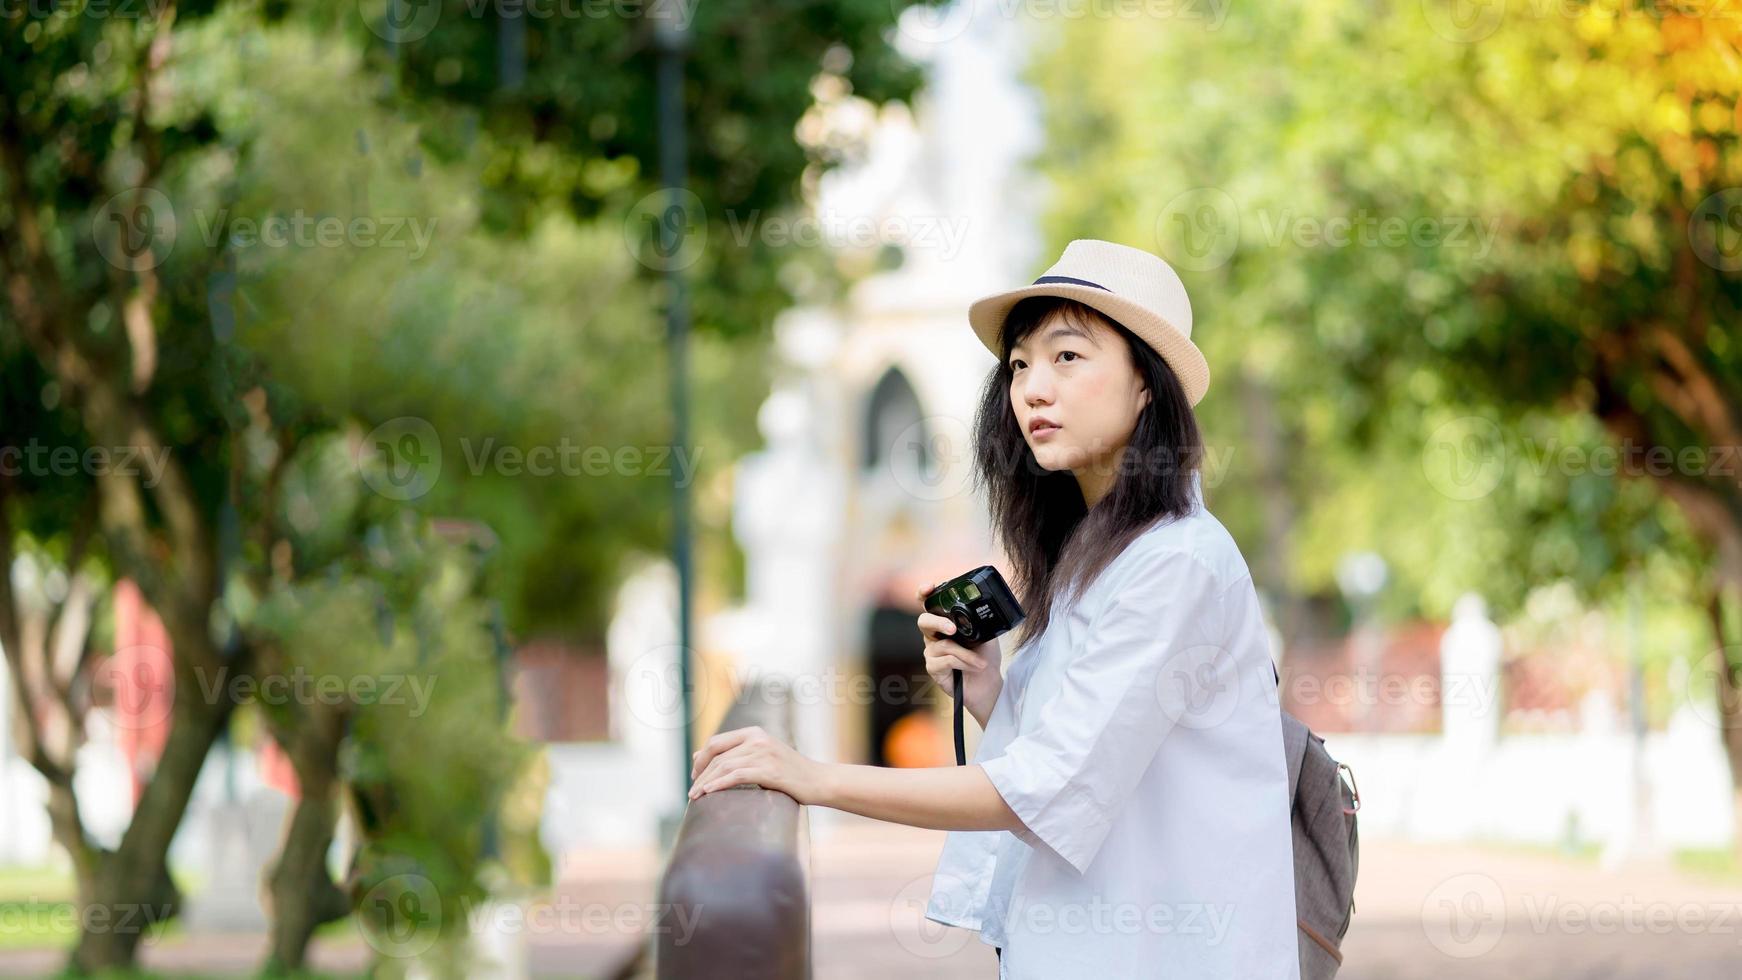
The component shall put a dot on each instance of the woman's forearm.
(938, 798)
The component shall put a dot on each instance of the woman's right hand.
(979, 664)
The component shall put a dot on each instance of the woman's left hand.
(751, 755)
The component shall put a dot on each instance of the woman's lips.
(1044, 431)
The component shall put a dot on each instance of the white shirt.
(1140, 740)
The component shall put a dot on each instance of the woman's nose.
(1037, 389)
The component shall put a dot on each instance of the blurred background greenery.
(1552, 210)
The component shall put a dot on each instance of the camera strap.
(961, 753)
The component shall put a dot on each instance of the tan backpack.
(1326, 851)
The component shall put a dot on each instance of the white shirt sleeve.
(1152, 659)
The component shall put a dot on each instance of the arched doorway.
(895, 435)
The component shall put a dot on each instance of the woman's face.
(1078, 377)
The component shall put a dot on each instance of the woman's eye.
(1068, 353)
(1014, 365)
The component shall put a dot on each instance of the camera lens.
(964, 622)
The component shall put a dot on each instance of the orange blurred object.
(917, 741)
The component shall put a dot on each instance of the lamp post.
(671, 39)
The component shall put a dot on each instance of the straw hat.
(1138, 290)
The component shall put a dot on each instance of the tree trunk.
(133, 889)
(1729, 694)
(69, 832)
(301, 892)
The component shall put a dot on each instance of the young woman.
(1126, 813)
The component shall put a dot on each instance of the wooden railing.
(739, 874)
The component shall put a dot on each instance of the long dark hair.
(1055, 544)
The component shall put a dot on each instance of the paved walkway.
(1439, 912)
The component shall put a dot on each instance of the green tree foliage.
(1468, 277)
(343, 287)
(1460, 244)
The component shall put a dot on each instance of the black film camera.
(983, 608)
